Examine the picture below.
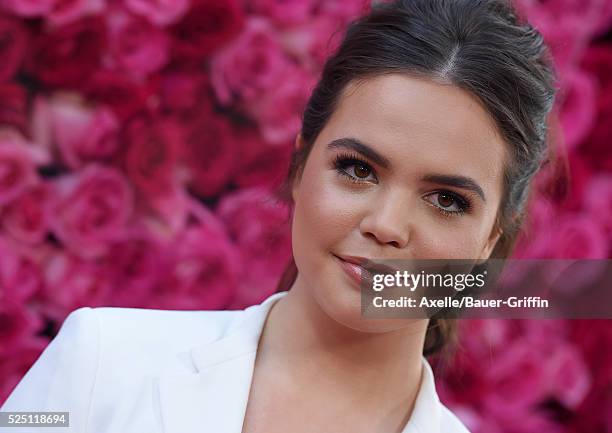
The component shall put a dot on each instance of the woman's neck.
(376, 372)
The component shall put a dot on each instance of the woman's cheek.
(433, 237)
(332, 211)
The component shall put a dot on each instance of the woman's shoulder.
(139, 329)
(110, 354)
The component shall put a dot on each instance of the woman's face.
(405, 168)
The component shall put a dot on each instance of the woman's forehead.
(399, 103)
(430, 124)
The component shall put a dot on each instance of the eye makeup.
(342, 163)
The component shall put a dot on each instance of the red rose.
(597, 149)
(70, 54)
(210, 153)
(13, 40)
(260, 163)
(26, 218)
(125, 96)
(151, 154)
(13, 106)
(207, 26)
(185, 94)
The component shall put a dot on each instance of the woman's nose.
(388, 222)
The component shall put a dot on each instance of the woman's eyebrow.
(359, 146)
(456, 181)
(444, 179)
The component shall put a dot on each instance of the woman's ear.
(298, 145)
(299, 142)
(490, 244)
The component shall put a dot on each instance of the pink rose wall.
(141, 140)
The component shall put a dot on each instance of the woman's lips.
(355, 272)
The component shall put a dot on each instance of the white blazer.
(130, 370)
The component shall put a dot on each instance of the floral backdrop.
(141, 142)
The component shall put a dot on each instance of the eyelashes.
(345, 161)
(342, 161)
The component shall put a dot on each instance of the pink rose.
(567, 26)
(208, 26)
(285, 13)
(260, 227)
(567, 375)
(574, 235)
(186, 94)
(203, 271)
(588, 18)
(598, 201)
(135, 45)
(344, 10)
(66, 11)
(83, 133)
(278, 111)
(16, 324)
(151, 153)
(159, 12)
(252, 65)
(209, 152)
(314, 41)
(539, 213)
(135, 264)
(28, 8)
(71, 283)
(578, 236)
(26, 218)
(261, 164)
(563, 184)
(166, 215)
(571, 236)
(578, 110)
(20, 274)
(18, 162)
(13, 44)
(517, 376)
(90, 209)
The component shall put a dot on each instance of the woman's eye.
(356, 170)
(448, 203)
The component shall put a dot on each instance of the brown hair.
(480, 46)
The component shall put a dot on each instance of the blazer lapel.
(213, 398)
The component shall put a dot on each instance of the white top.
(134, 370)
